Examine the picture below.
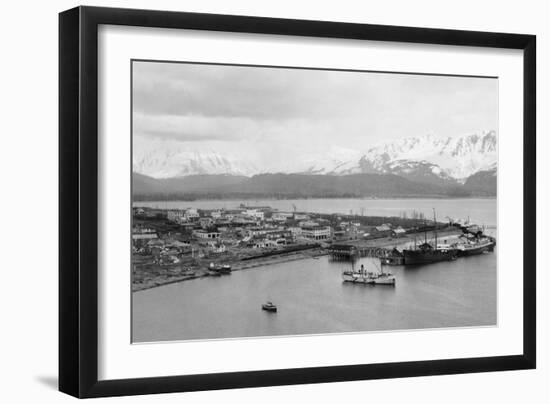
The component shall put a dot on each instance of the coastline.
(237, 266)
(137, 200)
(291, 256)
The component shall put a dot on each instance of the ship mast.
(435, 229)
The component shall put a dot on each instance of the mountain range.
(413, 166)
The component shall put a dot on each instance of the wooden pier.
(346, 252)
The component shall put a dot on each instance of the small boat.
(220, 269)
(269, 307)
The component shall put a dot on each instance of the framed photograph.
(250, 201)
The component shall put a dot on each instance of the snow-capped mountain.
(170, 159)
(426, 158)
(452, 157)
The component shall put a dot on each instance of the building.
(281, 216)
(277, 234)
(264, 244)
(255, 213)
(216, 214)
(399, 232)
(383, 231)
(206, 222)
(256, 231)
(138, 211)
(191, 214)
(317, 232)
(141, 239)
(176, 216)
(383, 228)
(203, 234)
(217, 248)
(308, 223)
(295, 231)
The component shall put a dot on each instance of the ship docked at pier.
(427, 253)
(475, 245)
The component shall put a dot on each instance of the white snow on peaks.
(445, 157)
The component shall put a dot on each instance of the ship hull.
(475, 250)
(369, 280)
(418, 257)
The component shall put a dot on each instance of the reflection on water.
(312, 299)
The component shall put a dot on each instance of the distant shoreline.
(419, 197)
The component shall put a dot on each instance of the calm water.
(481, 211)
(310, 294)
(312, 299)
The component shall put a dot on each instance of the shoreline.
(237, 266)
(382, 198)
(292, 256)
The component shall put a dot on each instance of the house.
(399, 232)
(383, 231)
(383, 228)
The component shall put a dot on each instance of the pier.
(344, 252)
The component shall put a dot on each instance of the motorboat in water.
(269, 306)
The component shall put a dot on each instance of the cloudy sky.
(267, 115)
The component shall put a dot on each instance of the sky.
(266, 115)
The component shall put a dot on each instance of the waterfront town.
(172, 245)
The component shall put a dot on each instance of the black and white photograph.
(279, 201)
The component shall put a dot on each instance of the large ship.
(427, 254)
(373, 277)
(475, 245)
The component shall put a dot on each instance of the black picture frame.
(78, 200)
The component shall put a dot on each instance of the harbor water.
(312, 299)
(310, 295)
